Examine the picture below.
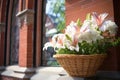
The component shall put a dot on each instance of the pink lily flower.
(99, 19)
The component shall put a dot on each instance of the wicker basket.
(80, 65)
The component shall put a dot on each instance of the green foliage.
(59, 10)
(98, 47)
(66, 51)
(116, 42)
(61, 26)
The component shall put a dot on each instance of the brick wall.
(79, 8)
(26, 17)
(26, 44)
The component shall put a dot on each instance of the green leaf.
(79, 23)
(68, 37)
(88, 17)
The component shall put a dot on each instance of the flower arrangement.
(94, 36)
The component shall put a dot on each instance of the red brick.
(79, 9)
(26, 49)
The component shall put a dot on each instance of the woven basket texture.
(80, 65)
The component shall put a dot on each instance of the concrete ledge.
(49, 73)
(18, 69)
(7, 73)
(18, 72)
(75, 78)
(53, 70)
(26, 16)
(45, 76)
(53, 73)
(2, 68)
(26, 11)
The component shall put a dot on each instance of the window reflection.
(54, 23)
(14, 35)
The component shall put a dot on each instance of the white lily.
(71, 29)
(110, 26)
(48, 44)
(90, 35)
(85, 26)
(94, 28)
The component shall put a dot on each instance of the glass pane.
(14, 38)
(54, 23)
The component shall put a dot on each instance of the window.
(54, 22)
(14, 35)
